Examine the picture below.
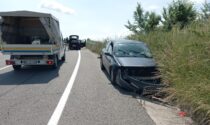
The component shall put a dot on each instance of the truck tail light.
(50, 62)
(10, 62)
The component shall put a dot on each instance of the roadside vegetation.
(180, 42)
(95, 46)
(183, 57)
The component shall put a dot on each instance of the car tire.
(16, 67)
(113, 77)
(140, 91)
(102, 65)
(121, 85)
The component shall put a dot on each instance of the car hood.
(136, 62)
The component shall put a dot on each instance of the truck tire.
(69, 47)
(16, 67)
(78, 47)
(55, 65)
(64, 57)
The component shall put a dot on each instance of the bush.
(184, 60)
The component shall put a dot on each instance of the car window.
(107, 46)
(132, 50)
(110, 49)
(74, 41)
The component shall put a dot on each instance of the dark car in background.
(83, 43)
(130, 65)
(74, 42)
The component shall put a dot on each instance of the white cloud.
(198, 1)
(56, 6)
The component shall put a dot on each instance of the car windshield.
(132, 50)
(74, 37)
(74, 41)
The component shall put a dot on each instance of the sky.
(95, 19)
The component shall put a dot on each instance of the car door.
(103, 58)
(103, 55)
(108, 59)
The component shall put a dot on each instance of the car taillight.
(10, 62)
(50, 62)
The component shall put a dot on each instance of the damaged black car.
(130, 65)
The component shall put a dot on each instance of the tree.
(151, 22)
(132, 27)
(180, 12)
(143, 22)
(138, 25)
(205, 10)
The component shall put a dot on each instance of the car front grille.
(142, 71)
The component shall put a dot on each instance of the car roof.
(127, 41)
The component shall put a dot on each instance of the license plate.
(29, 62)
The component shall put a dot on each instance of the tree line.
(179, 13)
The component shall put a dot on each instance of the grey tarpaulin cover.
(49, 22)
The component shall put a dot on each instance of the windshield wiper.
(145, 55)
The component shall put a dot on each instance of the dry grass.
(184, 60)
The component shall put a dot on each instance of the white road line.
(61, 105)
(5, 67)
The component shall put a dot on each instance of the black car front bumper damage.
(143, 85)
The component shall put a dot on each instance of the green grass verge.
(184, 60)
(95, 46)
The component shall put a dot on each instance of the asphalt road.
(30, 96)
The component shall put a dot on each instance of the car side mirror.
(108, 54)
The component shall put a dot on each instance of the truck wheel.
(64, 57)
(78, 48)
(16, 67)
(55, 65)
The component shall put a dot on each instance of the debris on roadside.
(165, 114)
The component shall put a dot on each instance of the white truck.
(31, 38)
